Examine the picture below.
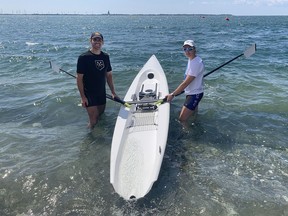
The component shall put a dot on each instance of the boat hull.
(140, 134)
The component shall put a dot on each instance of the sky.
(234, 7)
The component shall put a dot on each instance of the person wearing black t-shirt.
(93, 71)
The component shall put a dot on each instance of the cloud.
(277, 2)
(262, 2)
(202, 2)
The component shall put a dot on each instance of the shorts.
(192, 101)
(96, 100)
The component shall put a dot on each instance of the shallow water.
(232, 160)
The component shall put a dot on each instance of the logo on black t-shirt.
(99, 64)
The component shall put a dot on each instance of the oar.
(247, 53)
(57, 69)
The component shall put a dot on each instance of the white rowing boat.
(140, 134)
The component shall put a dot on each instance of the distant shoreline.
(90, 14)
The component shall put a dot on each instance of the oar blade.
(54, 67)
(250, 51)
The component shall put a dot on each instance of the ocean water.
(232, 160)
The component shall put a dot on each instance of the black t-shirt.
(94, 68)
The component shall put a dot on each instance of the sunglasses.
(188, 49)
(96, 39)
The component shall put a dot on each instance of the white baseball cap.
(189, 43)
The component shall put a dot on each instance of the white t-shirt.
(195, 68)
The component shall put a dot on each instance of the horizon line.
(121, 14)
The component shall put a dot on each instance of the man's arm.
(80, 85)
(109, 79)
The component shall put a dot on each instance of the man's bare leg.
(94, 112)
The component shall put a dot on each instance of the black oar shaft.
(223, 65)
(67, 73)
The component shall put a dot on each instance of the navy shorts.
(192, 101)
(96, 101)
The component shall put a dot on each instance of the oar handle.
(117, 99)
(164, 100)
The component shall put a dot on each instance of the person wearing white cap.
(93, 71)
(192, 84)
